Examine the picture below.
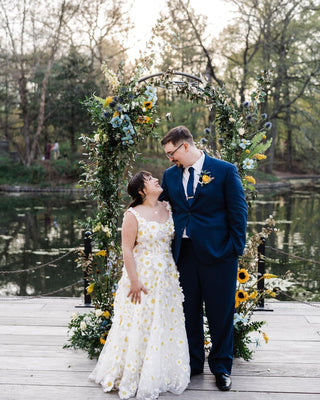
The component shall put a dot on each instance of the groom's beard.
(178, 164)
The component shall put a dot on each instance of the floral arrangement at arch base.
(248, 297)
(120, 121)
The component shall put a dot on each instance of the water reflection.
(297, 216)
(34, 230)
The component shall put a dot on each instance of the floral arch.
(127, 115)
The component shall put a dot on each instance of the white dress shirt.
(197, 166)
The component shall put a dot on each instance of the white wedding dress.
(146, 352)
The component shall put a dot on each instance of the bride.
(146, 352)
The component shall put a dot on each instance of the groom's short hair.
(178, 134)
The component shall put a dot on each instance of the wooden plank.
(279, 368)
(34, 365)
(25, 392)
(37, 351)
(257, 384)
(199, 383)
(34, 340)
(33, 330)
(36, 320)
(48, 364)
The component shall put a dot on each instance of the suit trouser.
(214, 285)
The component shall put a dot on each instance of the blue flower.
(128, 130)
(246, 104)
(264, 116)
(238, 318)
(206, 131)
(126, 120)
(119, 108)
(268, 125)
(106, 114)
(116, 122)
(131, 96)
(249, 117)
(127, 139)
(151, 91)
(203, 140)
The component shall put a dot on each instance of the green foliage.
(13, 173)
(241, 338)
(88, 332)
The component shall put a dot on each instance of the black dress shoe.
(223, 381)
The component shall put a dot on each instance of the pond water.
(36, 229)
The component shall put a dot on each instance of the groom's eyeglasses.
(170, 155)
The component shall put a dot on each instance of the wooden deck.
(34, 366)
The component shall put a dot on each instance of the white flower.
(83, 325)
(232, 119)
(248, 163)
(241, 131)
(98, 313)
(244, 143)
(74, 316)
(97, 137)
(106, 230)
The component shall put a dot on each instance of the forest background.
(51, 59)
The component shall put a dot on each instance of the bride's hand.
(135, 291)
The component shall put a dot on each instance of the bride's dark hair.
(136, 185)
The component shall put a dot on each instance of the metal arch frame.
(173, 73)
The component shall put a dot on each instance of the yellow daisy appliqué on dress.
(146, 352)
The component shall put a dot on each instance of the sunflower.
(241, 296)
(243, 275)
(143, 119)
(147, 104)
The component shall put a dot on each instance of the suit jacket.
(218, 215)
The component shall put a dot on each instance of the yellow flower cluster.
(99, 227)
(250, 179)
(259, 156)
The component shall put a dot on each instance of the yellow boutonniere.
(205, 178)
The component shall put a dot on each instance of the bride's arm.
(128, 238)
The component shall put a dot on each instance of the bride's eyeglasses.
(170, 155)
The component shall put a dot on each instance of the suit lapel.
(180, 185)
(206, 167)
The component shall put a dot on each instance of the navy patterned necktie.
(190, 192)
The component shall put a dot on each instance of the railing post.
(87, 251)
(261, 270)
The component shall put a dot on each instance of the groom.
(210, 213)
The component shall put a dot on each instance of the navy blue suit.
(207, 262)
